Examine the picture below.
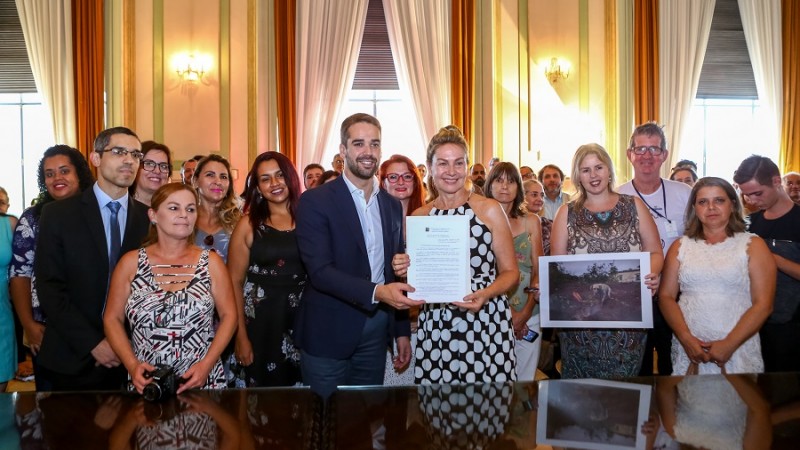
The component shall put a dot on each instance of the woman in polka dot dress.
(470, 340)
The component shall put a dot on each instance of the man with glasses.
(527, 173)
(666, 201)
(80, 241)
(777, 221)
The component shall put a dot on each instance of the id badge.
(672, 230)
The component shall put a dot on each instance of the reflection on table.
(713, 411)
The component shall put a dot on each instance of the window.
(726, 123)
(721, 133)
(400, 132)
(27, 133)
(375, 91)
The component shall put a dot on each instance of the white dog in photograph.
(601, 292)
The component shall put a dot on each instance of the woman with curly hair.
(218, 211)
(63, 172)
(268, 275)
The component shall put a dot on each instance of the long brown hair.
(160, 196)
(255, 206)
(694, 228)
(417, 197)
(228, 212)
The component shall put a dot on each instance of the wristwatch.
(530, 290)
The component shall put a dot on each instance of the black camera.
(164, 384)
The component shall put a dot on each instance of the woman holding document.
(470, 339)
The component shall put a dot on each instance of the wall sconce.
(190, 67)
(557, 70)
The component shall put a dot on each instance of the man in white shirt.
(666, 201)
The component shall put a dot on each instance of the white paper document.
(439, 251)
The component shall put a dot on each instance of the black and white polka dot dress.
(457, 346)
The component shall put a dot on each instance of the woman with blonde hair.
(600, 220)
(470, 339)
(218, 211)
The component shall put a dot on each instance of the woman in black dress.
(267, 273)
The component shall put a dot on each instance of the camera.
(164, 384)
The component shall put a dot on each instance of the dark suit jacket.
(338, 298)
(72, 277)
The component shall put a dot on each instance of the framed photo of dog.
(599, 290)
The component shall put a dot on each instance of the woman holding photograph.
(726, 278)
(600, 220)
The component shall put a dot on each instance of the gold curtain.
(789, 158)
(87, 30)
(463, 65)
(285, 16)
(645, 60)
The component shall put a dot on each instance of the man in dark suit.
(80, 240)
(348, 231)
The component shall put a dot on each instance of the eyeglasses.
(122, 151)
(653, 149)
(394, 177)
(150, 166)
(529, 176)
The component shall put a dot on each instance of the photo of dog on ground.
(593, 289)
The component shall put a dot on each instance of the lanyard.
(664, 196)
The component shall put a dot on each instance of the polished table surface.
(735, 411)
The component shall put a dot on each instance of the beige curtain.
(684, 26)
(328, 40)
(761, 20)
(47, 26)
(419, 31)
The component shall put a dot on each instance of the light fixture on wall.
(557, 70)
(191, 67)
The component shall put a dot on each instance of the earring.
(152, 222)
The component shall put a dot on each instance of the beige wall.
(520, 116)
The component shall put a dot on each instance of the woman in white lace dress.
(726, 280)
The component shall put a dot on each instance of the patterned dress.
(527, 353)
(173, 328)
(597, 353)
(272, 291)
(457, 346)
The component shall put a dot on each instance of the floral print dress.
(272, 291)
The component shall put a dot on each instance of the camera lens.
(152, 392)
